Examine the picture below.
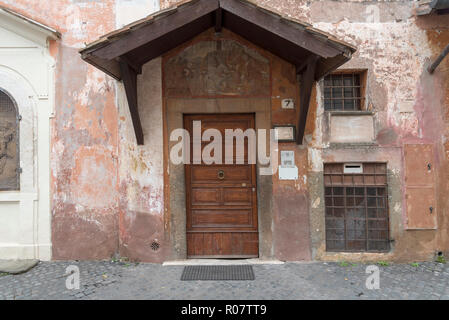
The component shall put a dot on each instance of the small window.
(9, 151)
(343, 91)
(356, 208)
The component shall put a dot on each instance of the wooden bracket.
(218, 20)
(129, 78)
(306, 85)
(438, 60)
(137, 68)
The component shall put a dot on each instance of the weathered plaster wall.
(128, 11)
(396, 51)
(84, 144)
(107, 193)
(290, 197)
(84, 131)
(86, 197)
(141, 176)
(434, 108)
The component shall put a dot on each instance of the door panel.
(222, 245)
(227, 196)
(229, 174)
(205, 196)
(418, 164)
(421, 210)
(221, 198)
(209, 218)
(237, 196)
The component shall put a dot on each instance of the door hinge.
(19, 117)
(19, 170)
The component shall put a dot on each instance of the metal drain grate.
(240, 272)
(155, 245)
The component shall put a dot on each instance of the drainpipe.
(435, 64)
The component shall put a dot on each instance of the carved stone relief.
(9, 157)
(217, 68)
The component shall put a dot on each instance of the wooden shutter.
(420, 186)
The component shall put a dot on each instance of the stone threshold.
(220, 262)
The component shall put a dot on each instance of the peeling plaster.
(398, 52)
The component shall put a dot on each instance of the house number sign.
(288, 104)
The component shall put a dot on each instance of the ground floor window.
(356, 207)
(344, 91)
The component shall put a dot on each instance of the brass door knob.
(221, 174)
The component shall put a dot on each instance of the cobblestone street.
(118, 280)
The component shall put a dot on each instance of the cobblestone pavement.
(118, 280)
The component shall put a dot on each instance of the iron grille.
(342, 91)
(356, 208)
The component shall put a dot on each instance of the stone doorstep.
(220, 262)
(17, 266)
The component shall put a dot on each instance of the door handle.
(221, 174)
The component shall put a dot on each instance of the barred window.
(343, 91)
(9, 152)
(356, 207)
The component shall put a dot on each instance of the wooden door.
(221, 198)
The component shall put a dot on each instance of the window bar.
(366, 218)
(332, 92)
(344, 218)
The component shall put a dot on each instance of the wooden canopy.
(122, 53)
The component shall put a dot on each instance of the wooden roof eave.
(120, 52)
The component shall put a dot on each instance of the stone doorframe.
(175, 109)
